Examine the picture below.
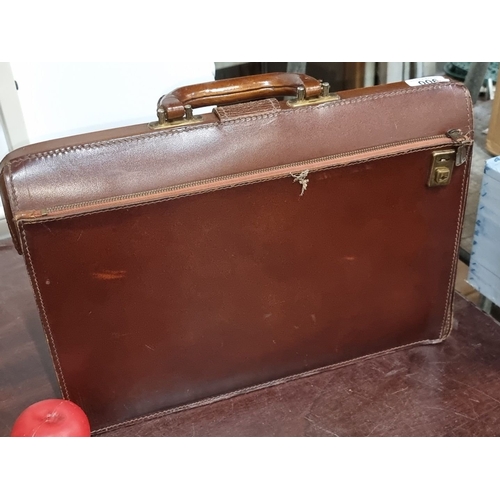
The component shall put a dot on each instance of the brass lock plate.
(442, 167)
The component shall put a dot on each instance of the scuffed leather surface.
(154, 306)
(150, 160)
(449, 389)
(165, 304)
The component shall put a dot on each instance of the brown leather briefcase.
(202, 256)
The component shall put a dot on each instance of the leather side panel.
(4, 197)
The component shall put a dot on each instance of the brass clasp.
(442, 167)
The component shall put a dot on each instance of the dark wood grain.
(450, 389)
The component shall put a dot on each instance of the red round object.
(52, 417)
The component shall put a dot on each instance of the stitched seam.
(154, 135)
(468, 104)
(261, 109)
(222, 112)
(214, 189)
(447, 322)
(275, 105)
(446, 317)
(43, 314)
(247, 390)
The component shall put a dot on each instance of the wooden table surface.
(449, 389)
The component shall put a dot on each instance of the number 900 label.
(427, 80)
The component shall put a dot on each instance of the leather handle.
(235, 90)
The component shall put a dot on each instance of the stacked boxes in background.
(484, 270)
(493, 137)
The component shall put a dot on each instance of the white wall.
(3, 151)
(62, 99)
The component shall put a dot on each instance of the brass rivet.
(189, 111)
(160, 112)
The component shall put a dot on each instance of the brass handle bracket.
(301, 99)
(188, 119)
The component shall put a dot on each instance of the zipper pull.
(302, 180)
(462, 141)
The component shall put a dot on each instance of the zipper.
(452, 137)
(462, 141)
